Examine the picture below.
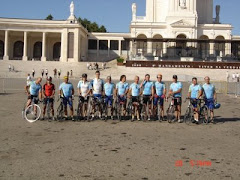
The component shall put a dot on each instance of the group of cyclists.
(148, 93)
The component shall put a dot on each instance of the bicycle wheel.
(79, 111)
(170, 113)
(188, 117)
(144, 112)
(60, 112)
(205, 115)
(32, 113)
(130, 109)
(89, 109)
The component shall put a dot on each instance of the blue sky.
(114, 14)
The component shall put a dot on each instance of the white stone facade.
(164, 22)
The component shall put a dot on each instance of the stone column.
(149, 47)
(212, 51)
(109, 48)
(228, 49)
(119, 47)
(25, 56)
(64, 39)
(97, 48)
(6, 55)
(164, 49)
(76, 45)
(44, 47)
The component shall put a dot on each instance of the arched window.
(37, 50)
(141, 44)
(203, 47)
(219, 46)
(18, 50)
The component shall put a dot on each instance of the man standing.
(29, 79)
(210, 96)
(67, 91)
(160, 94)
(108, 91)
(46, 72)
(176, 92)
(84, 90)
(148, 92)
(42, 72)
(33, 73)
(97, 86)
(134, 92)
(34, 91)
(194, 93)
(48, 94)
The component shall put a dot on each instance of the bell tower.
(182, 9)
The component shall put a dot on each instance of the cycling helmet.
(217, 106)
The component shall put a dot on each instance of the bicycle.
(145, 110)
(33, 112)
(132, 107)
(82, 103)
(171, 111)
(189, 115)
(106, 108)
(96, 104)
(120, 108)
(60, 109)
(203, 112)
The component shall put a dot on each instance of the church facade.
(170, 30)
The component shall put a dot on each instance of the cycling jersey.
(135, 89)
(160, 87)
(48, 89)
(108, 89)
(97, 86)
(84, 86)
(209, 90)
(122, 87)
(147, 87)
(34, 88)
(66, 89)
(175, 87)
(194, 90)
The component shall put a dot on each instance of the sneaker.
(196, 121)
(179, 121)
(139, 119)
(43, 118)
(73, 118)
(53, 118)
(112, 117)
(149, 119)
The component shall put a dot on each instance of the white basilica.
(170, 30)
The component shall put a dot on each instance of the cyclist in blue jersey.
(160, 94)
(194, 93)
(108, 92)
(176, 91)
(210, 97)
(122, 91)
(67, 91)
(34, 91)
(134, 94)
(148, 92)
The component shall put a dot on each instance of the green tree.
(91, 26)
(49, 17)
